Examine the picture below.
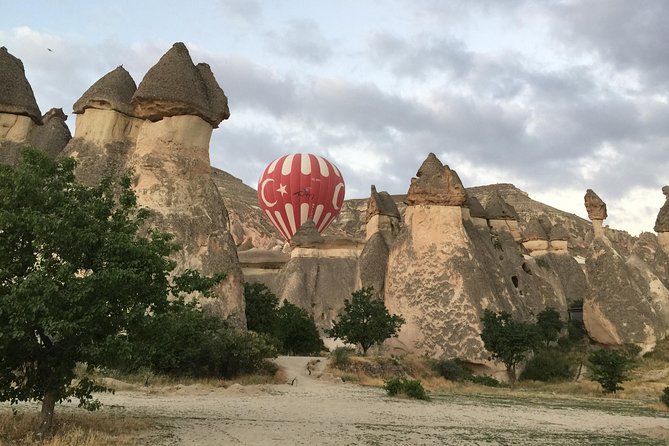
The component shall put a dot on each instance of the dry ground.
(321, 410)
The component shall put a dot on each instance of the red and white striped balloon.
(300, 187)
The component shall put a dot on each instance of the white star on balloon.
(282, 189)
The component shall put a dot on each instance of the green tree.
(508, 340)
(292, 329)
(611, 367)
(365, 320)
(77, 270)
(549, 325)
(296, 331)
(261, 308)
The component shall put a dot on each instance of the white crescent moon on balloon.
(336, 194)
(262, 193)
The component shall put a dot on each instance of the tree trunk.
(511, 373)
(46, 416)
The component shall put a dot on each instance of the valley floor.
(325, 411)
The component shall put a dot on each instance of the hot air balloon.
(300, 187)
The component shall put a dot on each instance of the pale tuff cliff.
(161, 130)
(443, 270)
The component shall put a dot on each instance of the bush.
(187, 342)
(291, 328)
(611, 367)
(548, 365)
(665, 396)
(341, 356)
(485, 380)
(408, 387)
(452, 369)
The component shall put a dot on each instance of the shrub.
(341, 356)
(611, 367)
(549, 325)
(452, 369)
(261, 308)
(485, 380)
(548, 365)
(408, 387)
(665, 396)
(187, 342)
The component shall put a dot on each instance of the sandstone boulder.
(498, 209)
(475, 208)
(437, 184)
(534, 231)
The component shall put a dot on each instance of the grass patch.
(71, 429)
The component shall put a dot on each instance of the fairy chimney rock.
(104, 113)
(596, 211)
(662, 222)
(113, 91)
(382, 215)
(436, 184)
(502, 216)
(16, 94)
(19, 112)
(175, 87)
(535, 239)
(559, 238)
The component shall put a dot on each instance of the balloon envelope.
(300, 187)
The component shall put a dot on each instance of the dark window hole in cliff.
(526, 268)
(501, 257)
(514, 279)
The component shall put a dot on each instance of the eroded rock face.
(307, 235)
(617, 309)
(595, 206)
(318, 278)
(436, 184)
(53, 135)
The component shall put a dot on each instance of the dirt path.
(319, 410)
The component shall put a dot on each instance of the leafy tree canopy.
(549, 325)
(508, 340)
(77, 269)
(365, 320)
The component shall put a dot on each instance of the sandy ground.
(319, 410)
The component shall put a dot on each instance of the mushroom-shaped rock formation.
(662, 221)
(307, 236)
(559, 238)
(436, 184)
(113, 91)
(16, 94)
(175, 86)
(535, 239)
(53, 135)
(596, 211)
(502, 216)
(382, 215)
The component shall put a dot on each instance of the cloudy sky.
(552, 96)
